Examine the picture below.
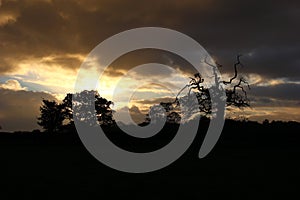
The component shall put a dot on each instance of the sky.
(44, 42)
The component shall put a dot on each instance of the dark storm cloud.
(37, 32)
(19, 109)
(71, 62)
(266, 29)
(4, 66)
(280, 91)
(269, 62)
(258, 101)
(139, 57)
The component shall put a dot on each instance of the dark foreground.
(250, 161)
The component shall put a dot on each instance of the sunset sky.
(44, 42)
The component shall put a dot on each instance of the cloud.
(12, 84)
(39, 76)
(289, 91)
(6, 18)
(19, 109)
(143, 56)
(266, 30)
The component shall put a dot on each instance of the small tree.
(52, 117)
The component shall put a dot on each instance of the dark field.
(250, 161)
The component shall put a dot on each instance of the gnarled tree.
(235, 90)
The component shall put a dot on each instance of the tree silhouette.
(67, 110)
(234, 98)
(103, 110)
(52, 117)
(236, 94)
(57, 116)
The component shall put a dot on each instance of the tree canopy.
(57, 116)
(52, 116)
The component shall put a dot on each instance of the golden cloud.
(12, 84)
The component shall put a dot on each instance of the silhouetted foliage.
(52, 116)
(266, 122)
(103, 111)
(67, 108)
(57, 116)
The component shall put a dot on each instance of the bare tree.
(235, 90)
